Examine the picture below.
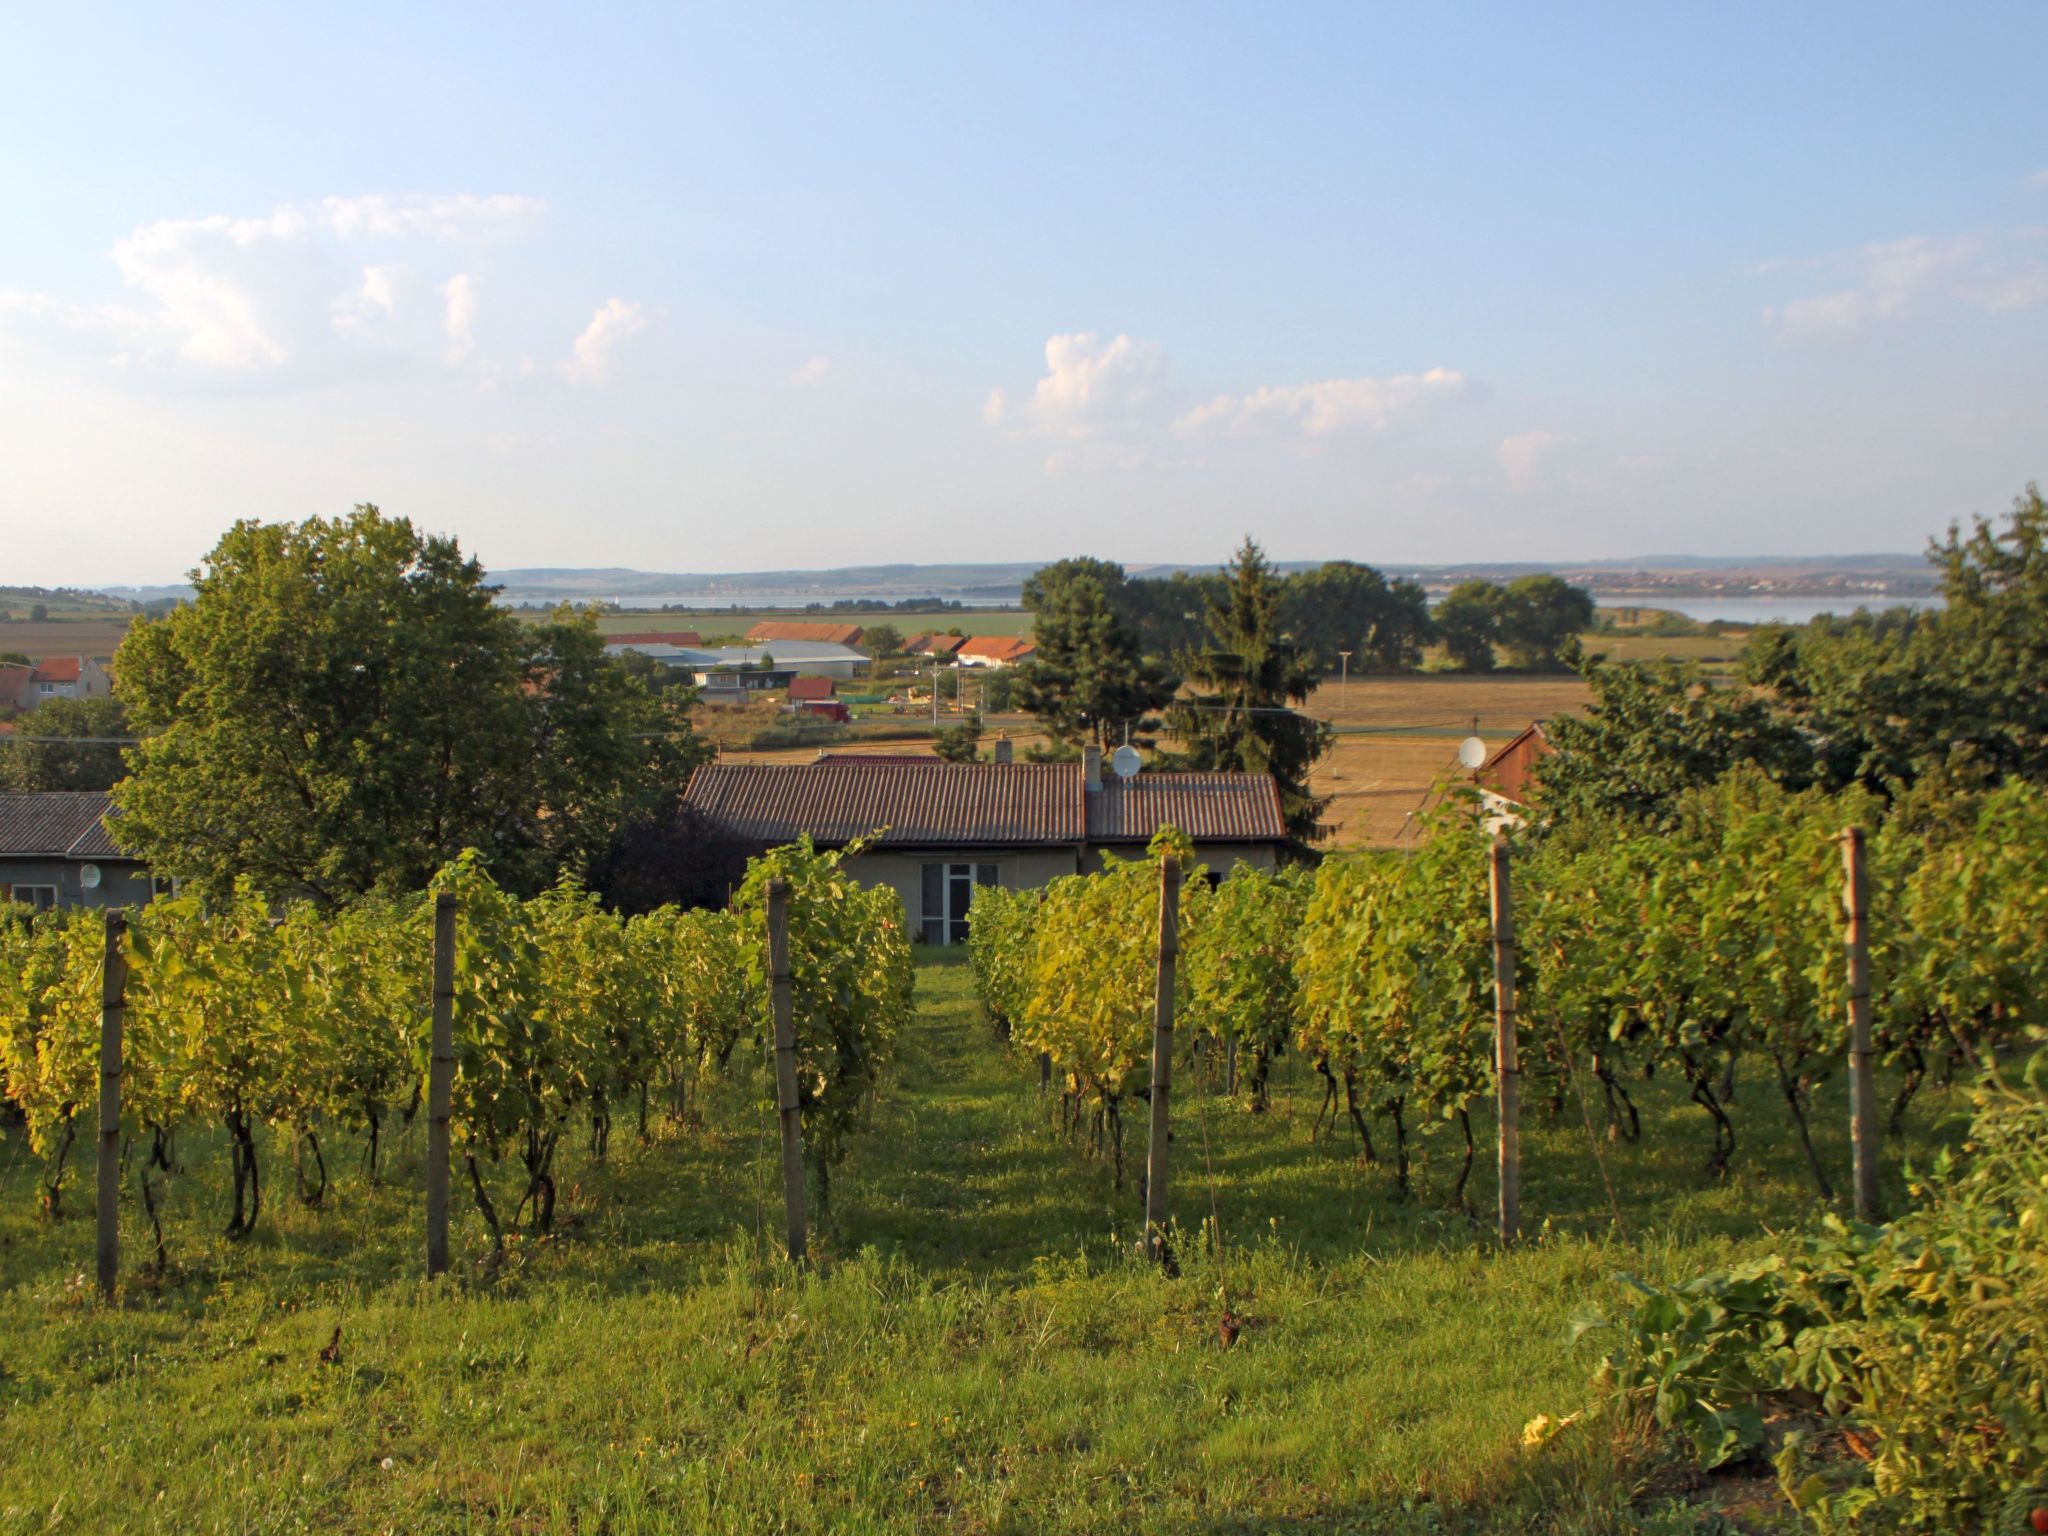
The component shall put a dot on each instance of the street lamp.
(1344, 676)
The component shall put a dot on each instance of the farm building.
(995, 651)
(941, 828)
(808, 689)
(770, 630)
(56, 851)
(941, 646)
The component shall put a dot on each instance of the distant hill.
(996, 584)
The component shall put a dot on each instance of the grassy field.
(711, 622)
(975, 1350)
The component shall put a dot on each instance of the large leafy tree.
(65, 744)
(1540, 618)
(343, 708)
(1242, 714)
(1343, 606)
(1468, 622)
(1891, 699)
(1655, 732)
(1089, 679)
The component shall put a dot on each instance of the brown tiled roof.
(14, 682)
(790, 629)
(57, 669)
(811, 688)
(1209, 807)
(915, 804)
(657, 637)
(935, 645)
(57, 824)
(998, 647)
(924, 802)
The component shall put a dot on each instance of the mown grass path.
(976, 1350)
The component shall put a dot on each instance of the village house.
(937, 830)
(995, 651)
(22, 688)
(770, 630)
(56, 851)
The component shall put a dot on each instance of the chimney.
(1091, 762)
(1002, 748)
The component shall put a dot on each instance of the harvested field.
(64, 637)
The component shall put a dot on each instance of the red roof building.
(934, 645)
(995, 651)
(806, 688)
(1510, 772)
(657, 637)
(790, 629)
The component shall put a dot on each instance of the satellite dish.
(89, 876)
(1125, 762)
(1472, 752)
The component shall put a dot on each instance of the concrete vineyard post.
(1162, 1057)
(440, 1083)
(113, 1004)
(1506, 1050)
(1862, 1077)
(786, 1105)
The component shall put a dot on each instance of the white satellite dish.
(1472, 752)
(1125, 762)
(89, 876)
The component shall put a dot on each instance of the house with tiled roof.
(793, 629)
(54, 677)
(995, 651)
(937, 830)
(941, 646)
(57, 850)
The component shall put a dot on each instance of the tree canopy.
(343, 708)
(1089, 679)
(64, 744)
(1242, 715)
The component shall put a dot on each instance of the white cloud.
(1092, 387)
(465, 218)
(993, 408)
(1320, 410)
(1896, 273)
(2022, 290)
(812, 372)
(615, 322)
(458, 318)
(1523, 456)
(290, 291)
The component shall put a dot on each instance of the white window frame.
(31, 895)
(947, 926)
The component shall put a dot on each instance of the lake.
(1766, 610)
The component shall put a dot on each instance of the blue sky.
(732, 288)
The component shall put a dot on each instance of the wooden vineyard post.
(1162, 1059)
(1862, 1078)
(440, 1083)
(785, 1067)
(113, 1004)
(1506, 1050)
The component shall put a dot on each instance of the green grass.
(975, 1349)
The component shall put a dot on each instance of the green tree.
(343, 708)
(1241, 716)
(38, 612)
(1089, 680)
(1468, 621)
(1656, 731)
(1540, 617)
(959, 743)
(63, 744)
(883, 641)
(1343, 606)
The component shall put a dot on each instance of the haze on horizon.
(732, 292)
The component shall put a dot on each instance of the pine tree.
(1242, 716)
